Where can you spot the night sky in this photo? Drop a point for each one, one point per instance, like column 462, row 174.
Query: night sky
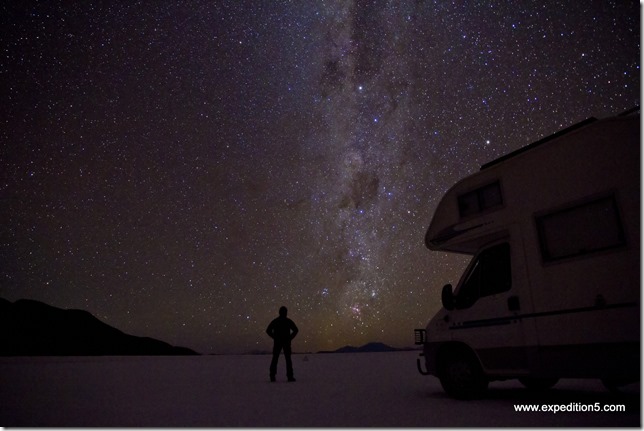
column 182, row 169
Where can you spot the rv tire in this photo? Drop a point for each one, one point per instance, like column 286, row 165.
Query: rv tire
column 614, row 385
column 538, row 384
column 461, row 376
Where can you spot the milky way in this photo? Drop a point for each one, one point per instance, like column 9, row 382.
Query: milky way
column 180, row 170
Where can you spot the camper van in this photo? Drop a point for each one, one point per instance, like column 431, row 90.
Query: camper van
column 553, row 287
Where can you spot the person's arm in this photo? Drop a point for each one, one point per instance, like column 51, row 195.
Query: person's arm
column 270, row 330
column 294, row 330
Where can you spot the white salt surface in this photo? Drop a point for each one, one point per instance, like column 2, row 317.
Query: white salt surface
column 347, row 390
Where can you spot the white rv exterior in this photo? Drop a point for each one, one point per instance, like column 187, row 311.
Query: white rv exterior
column 553, row 288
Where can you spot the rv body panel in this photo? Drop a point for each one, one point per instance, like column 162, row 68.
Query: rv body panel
column 568, row 213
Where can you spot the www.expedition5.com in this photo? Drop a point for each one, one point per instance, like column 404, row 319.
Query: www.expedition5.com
column 570, row 407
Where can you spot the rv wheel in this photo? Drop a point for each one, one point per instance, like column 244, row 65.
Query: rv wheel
column 536, row 384
column 614, row 385
column 461, row 376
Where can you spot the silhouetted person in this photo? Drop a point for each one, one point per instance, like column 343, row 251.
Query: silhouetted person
column 282, row 330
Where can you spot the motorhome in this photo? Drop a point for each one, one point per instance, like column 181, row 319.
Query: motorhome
column 553, row 287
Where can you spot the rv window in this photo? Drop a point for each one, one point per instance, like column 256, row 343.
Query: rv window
column 480, row 199
column 583, row 229
column 489, row 274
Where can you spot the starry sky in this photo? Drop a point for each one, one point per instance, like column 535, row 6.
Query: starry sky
column 180, row 169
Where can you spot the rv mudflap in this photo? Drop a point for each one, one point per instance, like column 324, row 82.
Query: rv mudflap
column 420, row 366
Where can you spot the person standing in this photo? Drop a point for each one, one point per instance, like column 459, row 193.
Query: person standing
column 282, row 330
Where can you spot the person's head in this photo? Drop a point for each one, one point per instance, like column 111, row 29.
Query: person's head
column 283, row 311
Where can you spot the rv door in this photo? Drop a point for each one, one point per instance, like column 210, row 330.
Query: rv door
column 489, row 301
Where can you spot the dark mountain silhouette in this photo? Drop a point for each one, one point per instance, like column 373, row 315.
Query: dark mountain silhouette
column 32, row 328
column 367, row 348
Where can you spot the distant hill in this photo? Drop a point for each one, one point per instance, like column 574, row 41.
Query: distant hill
column 367, row 348
column 32, row 328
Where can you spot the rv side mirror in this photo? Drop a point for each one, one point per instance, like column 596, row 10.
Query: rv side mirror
column 447, row 297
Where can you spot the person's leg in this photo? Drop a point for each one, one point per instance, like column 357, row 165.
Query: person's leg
column 289, row 363
column 276, row 354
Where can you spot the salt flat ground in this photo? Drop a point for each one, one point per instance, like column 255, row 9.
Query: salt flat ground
column 346, row 390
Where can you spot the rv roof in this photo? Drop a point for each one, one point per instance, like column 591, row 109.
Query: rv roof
column 553, row 136
column 539, row 142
